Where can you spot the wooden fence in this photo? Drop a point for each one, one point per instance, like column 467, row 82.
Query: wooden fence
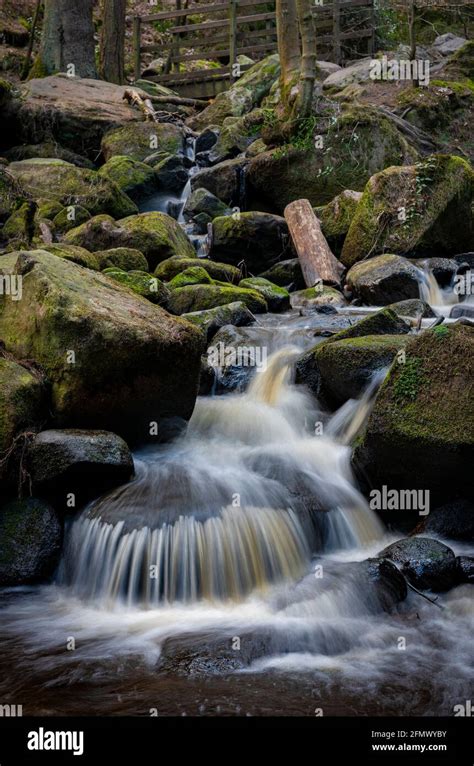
column 244, row 27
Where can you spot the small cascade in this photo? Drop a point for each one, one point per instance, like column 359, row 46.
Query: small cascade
column 430, row 291
column 237, row 504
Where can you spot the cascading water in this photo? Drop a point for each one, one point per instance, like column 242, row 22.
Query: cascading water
column 438, row 298
column 238, row 503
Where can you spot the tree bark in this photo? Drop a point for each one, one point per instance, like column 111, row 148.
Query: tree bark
column 67, row 42
column 112, row 41
column 304, row 101
column 288, row 41
column 318, row 263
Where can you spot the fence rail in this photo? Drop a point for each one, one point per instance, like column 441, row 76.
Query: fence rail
column 242, row 32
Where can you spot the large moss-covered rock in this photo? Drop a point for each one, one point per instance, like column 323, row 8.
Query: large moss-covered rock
column 361, row 142
column 143, row 284
column 73, row 253
column 123, row 258
column 113, row 360
column 157, row 236
column 346, row 367
column 201, row 297
column 322, row 295
column 226, row 180
column 421, row 429
column 135, row 178
column 383, row 280
column 210, row 321
column 286, row 274
column 31, row 541
column 336, row 217
column 258, row 239
column 139, row 141
column 69, row 218
column 172, row 172
column 194, row 275
column 203, row 201
column 224, row 272
column 98, row 233
column 50, row 149
column 19, row 229
column 422, row 209
column 71, row 185
column 22, row 401
column 413, row 309
column 277, row 298
column 87, row 463
column 246, row 93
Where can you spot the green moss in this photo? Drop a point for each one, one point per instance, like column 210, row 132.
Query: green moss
column 146, row 285
column 74, row 254
column 134, row 178
column 63, row 221
column 441, row 331
column 191, row 298
column 157, row 236
column 195, row 275
column 408, row 382
column 224, row 272
column 125, row 258
column 277, row 298
column 140, row 140
column 38, row 69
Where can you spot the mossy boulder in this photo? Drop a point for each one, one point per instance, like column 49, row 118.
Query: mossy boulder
column 210, row 321
column 22, row 401
column 422, row 209
column 421, row 429
column 226, row 180
column 258, row 239
column 19, row 228
column 224, row 272
column 50, row 150
column 413, row 309
column 383, row 280
column 236, row 135
column 31, row 536
column 138, row 141
column 322, row 295
column 361, row 142
column 157, row 236
column 203, row 201
column 135, row 178
column 346, row 367
column 48, row 208
column 75, row 254
column 336, row 217
column 12, row 195
column 245, row 94
column 436, row 106
column 460, row 66
column 184, row 300
column 172, row 172
column 286, row 274
column 114, row 360
column 70, row 217
column 277, row 298
column 98, row 233
column 123, row 258
column 143, row 284
column 71, row 185
column 194, row 275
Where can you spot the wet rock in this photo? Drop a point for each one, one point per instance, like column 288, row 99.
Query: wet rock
column 421, row 428
column 346, row 367
column 172, row 173
column 71, row 185
column 383, row 280
column 412, row 308
column 443, row 269
column 286, row 274
column 184, row 300
column 207, row 139
column 346, row 163
column 258, row 239
column 49, row 149
column 139, row 141
column 208, row 376
column 462, row 310
column 202, row 201
column 86, row 463
column 123, row 258
column 465, row 569
column 277, row 298
column 31, row 539
column 389, row 585
column 194, row 275
column 245, row 94
column 454, row 520
column 157, row 236
column 336, row 217
column 212, row 320
column 225, row 180
column 114, row 361
column 169, row 268
column 427, row 564
column 436, row 196
column 135, row 178
column 314, row 297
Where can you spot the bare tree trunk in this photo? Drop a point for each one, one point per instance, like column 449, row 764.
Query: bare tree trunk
column 308, row 59
column 112, row 41
column 67, row 43
column 288, row 41
column 412, row 34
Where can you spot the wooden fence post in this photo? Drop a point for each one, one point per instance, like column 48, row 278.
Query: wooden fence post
column 232, row 37
column 336, row 31
column 137, row 46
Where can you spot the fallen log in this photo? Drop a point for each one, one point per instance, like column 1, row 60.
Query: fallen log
column 145, row 105
column 196, row 103
column 318, row 263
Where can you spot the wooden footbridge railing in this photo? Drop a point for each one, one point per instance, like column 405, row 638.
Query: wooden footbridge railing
column 243, row 27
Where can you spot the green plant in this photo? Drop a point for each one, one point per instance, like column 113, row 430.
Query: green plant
column 409, row 380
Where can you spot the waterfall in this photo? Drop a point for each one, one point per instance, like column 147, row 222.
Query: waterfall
column 431, row 292
column 237, row 504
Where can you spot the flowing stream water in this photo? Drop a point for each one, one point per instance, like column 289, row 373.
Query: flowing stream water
column 227, row 577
